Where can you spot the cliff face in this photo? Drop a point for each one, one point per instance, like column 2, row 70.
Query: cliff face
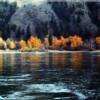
column 59, row 18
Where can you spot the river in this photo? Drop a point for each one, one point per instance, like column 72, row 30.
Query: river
column 50, row 76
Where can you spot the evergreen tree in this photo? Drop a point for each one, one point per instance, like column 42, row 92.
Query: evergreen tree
column 6, row 11
column 27, row 34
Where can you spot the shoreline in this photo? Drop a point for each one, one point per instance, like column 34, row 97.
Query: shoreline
column 47, row 51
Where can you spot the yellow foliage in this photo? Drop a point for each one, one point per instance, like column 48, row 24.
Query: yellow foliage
column 12, row 45
column 54, row 40
column 5, row 44
column 1, row 40
column 23, row 44
column 58, row 43
column 34, row 42
column 2, row 43
column 46, row 41
column 29, row 44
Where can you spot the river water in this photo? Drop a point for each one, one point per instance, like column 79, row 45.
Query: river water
column 50, row 76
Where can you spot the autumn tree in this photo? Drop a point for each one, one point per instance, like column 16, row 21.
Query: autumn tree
column 23, row 45
column 98, row 42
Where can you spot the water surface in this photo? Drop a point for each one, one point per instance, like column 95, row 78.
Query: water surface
column 50, row 76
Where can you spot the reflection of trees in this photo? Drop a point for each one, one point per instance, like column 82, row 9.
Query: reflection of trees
column 24, row 62
column 98, row 60
column 45, row 67
column 95, row 73
column 1, row 63
column 7, row 63
column 34, row 61
column 12, row 60
column 76, row 60
column 60, row 60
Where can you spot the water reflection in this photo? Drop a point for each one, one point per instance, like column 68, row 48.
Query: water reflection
column 74, row 74
column 46, row 60
column 1, row 63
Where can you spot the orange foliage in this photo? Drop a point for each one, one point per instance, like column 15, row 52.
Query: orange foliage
column 64, row 41
column 98, row 40
column 56, row 42
column 34, row 42
column 76, row 41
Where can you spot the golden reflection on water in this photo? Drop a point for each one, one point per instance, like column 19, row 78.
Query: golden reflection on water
column 12, row 59
column 76, row 60
column 1, row 63
column 60, row 60
column 35, row 61
column 73, row 60
column 7, row 61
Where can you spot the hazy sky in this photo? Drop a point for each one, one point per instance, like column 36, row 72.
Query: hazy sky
column 38, row 2
column 22, row 2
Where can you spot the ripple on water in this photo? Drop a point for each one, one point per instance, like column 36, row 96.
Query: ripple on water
column 46, row 92
column 7, row 79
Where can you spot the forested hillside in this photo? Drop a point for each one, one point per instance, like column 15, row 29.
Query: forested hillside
column 51, row 19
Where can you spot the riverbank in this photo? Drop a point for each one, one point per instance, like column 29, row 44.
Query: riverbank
column 48, row 51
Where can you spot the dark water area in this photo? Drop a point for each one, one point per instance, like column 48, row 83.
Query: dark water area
column 50, row 76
